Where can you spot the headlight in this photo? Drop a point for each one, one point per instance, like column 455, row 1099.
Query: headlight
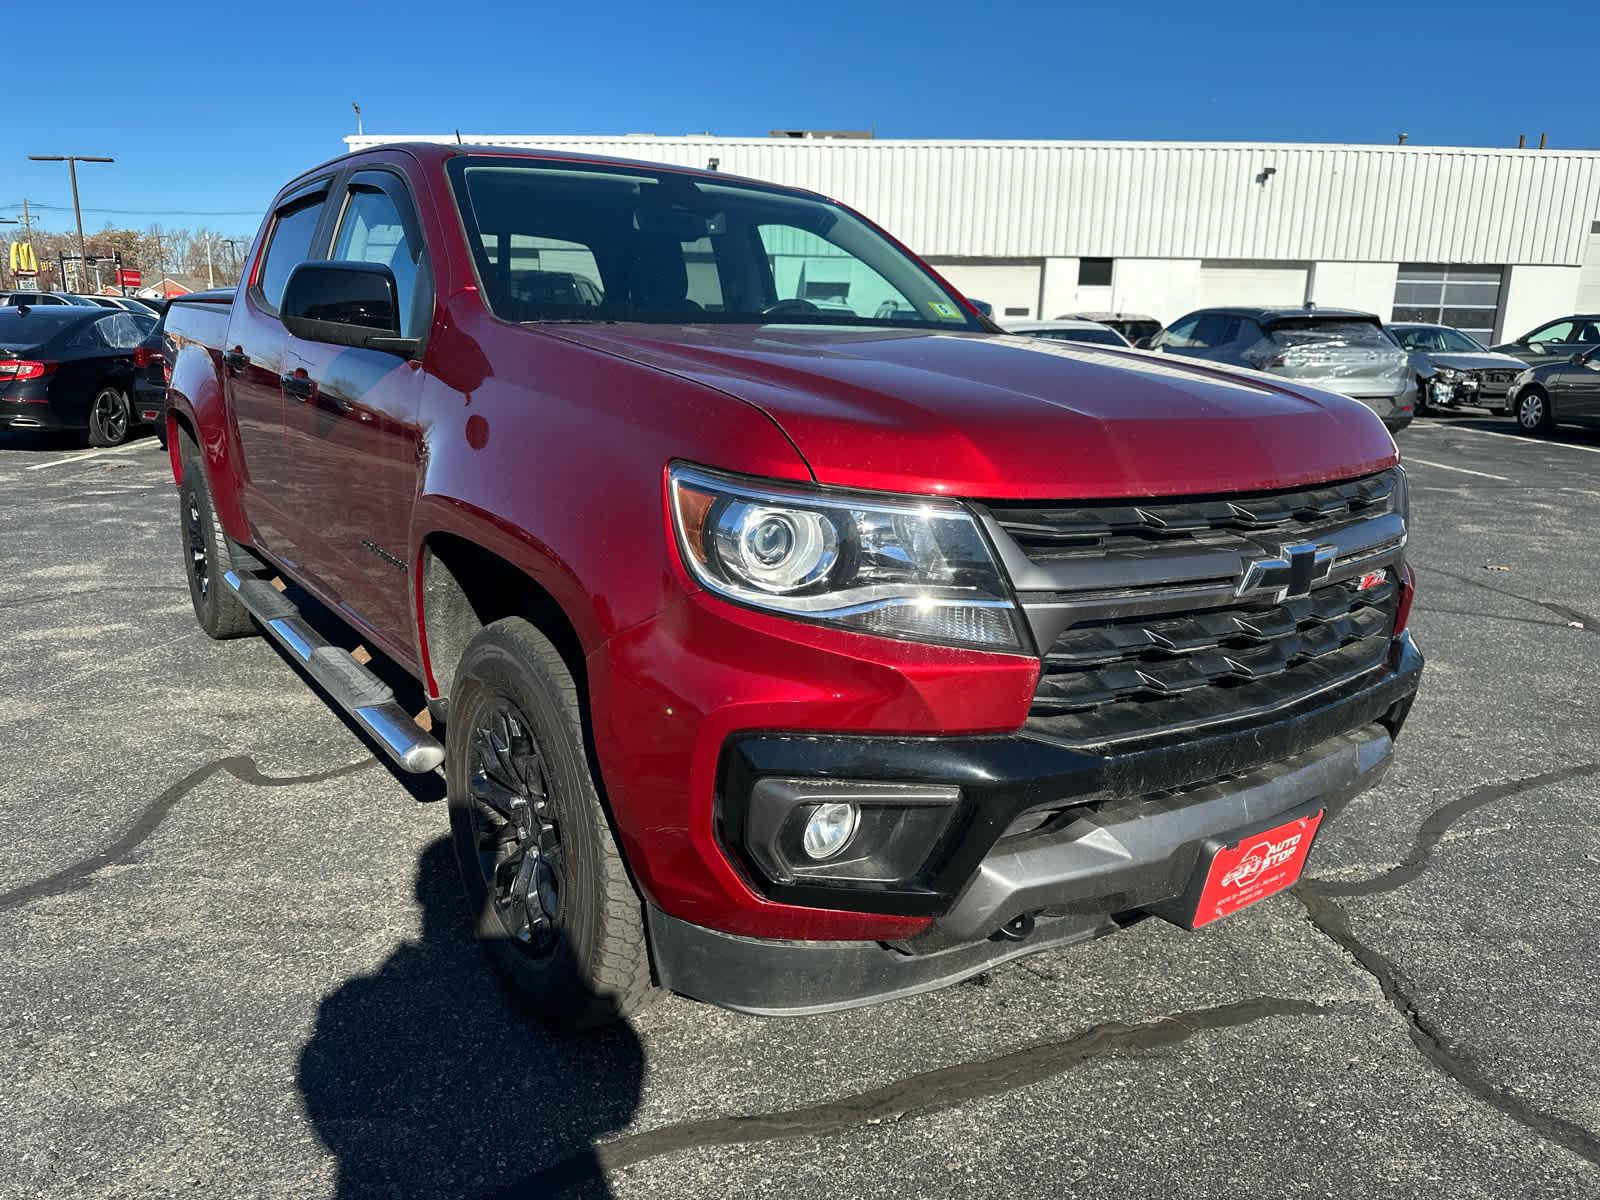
column 897, row 567
column 1448, row 374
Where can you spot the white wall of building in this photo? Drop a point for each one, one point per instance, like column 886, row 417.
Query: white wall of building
column 1214, row 200
column 1532, row 295
column 1366, row 286
column 1004, row 285
column 1188, row 224
column 1589, row 280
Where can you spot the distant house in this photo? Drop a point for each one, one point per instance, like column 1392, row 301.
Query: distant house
column 166, row 287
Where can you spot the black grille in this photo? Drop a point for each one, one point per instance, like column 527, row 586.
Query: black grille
column 1138, row 612
column 1048, row 533
column 1107, row 680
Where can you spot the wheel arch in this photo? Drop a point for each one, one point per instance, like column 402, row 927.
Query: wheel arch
column 462, row 586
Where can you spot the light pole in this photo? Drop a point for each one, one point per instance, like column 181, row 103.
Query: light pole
column 233, row 245
column 72, row 161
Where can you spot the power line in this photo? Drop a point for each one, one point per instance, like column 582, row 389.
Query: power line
column 150, row 212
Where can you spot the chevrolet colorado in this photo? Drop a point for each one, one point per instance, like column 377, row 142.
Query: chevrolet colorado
column 786, row 656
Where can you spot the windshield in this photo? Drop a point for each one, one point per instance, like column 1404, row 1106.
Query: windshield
column 1435, row 338
column 563, row 242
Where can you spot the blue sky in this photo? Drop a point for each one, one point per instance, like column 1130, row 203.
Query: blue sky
column 245, row 111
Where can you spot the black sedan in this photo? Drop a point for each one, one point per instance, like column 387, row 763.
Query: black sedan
column 65, row 367
column 1454, row 370
column 1565, row 392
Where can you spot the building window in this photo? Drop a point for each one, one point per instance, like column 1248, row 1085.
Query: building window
column 1094, row 272
column 1466, row 298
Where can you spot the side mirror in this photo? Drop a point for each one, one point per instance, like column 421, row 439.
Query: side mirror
column 345, row 304
column 1143, row 343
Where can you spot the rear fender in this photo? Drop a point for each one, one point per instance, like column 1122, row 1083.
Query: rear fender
column 196, row 398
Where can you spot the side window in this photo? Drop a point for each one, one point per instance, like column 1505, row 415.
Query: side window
column 1214, row 329
column 373, row 230
column 1180, row 334
column 1559, row 331
column 288, row 246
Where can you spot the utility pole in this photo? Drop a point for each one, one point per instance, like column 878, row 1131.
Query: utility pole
column 9, row 221
column 161, row 258
column 72, row 161
column 211, row 274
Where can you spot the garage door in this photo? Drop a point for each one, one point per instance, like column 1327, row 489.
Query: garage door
column 1008, row 286
column 1251, row 283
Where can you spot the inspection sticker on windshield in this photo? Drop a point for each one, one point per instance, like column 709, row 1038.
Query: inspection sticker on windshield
column 1255, row 867
column 948, row 311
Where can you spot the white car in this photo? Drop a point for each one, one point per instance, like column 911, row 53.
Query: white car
column 1091, row 332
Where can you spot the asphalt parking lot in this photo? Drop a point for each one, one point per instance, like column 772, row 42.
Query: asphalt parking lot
column 234, row 958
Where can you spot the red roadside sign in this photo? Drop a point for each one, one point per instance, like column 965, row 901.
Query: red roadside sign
column 129, row 278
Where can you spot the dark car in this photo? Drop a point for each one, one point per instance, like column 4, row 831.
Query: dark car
column 70, row 367
column 1338, row 349
column 43, row 300
column 1136, row 327
column 1562, row 392
column 1456, row 371
column 1558, row 339
column 151, row 375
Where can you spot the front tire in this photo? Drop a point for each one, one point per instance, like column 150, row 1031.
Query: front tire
column 205, row 554
column 110, row 417
column 1535, row 415
column 553, row 903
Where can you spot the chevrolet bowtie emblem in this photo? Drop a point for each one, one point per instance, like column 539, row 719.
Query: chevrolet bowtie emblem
column 1294, row 572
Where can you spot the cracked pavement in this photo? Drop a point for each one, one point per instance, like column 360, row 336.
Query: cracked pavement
column 234, row 955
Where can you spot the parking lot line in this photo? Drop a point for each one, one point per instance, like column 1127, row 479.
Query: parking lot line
column 61, row 462
column 1422, row 462
column 1524, row 440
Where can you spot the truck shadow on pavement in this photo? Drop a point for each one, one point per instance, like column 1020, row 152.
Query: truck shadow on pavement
column 425, row 1078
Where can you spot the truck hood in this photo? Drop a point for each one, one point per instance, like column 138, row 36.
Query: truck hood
column 983, row 416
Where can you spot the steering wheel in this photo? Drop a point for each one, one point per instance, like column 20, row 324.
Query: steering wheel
column 795, row 305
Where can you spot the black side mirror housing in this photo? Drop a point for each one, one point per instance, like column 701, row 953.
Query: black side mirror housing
column 345, row 304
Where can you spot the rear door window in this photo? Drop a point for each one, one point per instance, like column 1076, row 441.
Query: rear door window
column 288, row 247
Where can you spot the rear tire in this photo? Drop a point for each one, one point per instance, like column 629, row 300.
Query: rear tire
column 110, row 417
column 554, row 907
column 1534, row 412
column 205, row 554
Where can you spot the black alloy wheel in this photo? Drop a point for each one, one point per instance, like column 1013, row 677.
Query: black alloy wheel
column 553, row 904
column 194, row 534
column 110, row 418
column 520, row 857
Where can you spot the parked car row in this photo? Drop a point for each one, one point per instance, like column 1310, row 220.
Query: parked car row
column 74, row 367
column 136, row 304
column 1548, row 376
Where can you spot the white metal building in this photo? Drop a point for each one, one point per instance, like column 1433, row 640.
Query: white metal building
column 1493, row 241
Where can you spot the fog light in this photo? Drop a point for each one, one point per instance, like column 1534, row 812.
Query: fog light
column 830, row 829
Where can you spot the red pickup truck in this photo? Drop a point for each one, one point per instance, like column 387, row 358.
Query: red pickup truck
column 791, row 638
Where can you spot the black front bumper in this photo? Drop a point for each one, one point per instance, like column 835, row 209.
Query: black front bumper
column 1126, row 832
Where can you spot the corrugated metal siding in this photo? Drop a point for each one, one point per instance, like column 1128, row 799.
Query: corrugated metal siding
column 1168, row 200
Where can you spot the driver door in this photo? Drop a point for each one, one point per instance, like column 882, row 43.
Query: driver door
column 351, row 424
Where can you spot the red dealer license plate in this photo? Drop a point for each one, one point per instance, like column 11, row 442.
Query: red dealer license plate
column 1254, row 868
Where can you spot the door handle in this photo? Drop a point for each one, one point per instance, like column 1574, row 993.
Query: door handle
column 235, row 360
column 299, row 385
